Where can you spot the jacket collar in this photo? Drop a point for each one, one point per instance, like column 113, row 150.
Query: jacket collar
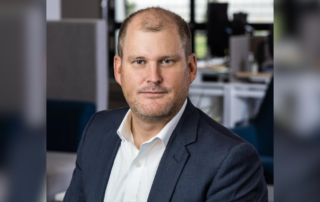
column 171, row 164
column 175, row 156
column 187, row 127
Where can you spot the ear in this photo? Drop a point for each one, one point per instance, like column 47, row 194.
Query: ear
column 117, row 68
column 192, row 65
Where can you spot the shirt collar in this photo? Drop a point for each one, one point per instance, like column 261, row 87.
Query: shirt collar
column 124, row 130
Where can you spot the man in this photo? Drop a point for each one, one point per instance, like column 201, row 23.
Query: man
column 162, row 148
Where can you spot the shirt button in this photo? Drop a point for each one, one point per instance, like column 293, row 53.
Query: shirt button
column 138, row 165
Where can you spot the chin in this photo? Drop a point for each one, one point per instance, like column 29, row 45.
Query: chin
column 155, row 109
column 152, row 112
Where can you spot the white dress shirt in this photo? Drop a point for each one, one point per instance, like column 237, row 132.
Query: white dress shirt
column 133, row 170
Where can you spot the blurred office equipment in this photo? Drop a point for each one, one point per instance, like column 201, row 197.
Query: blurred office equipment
column 239, row 87
column 218, row 29
column 77, row 87
column 264, row 54
column 239, row 23
column 239, row 52
column 239, row 102
column 249, row 56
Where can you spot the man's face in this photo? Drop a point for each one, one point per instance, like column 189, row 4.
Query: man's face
column 153, row 73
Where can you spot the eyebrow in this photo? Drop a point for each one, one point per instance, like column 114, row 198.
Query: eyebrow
column 174, row 56
column 133, row 57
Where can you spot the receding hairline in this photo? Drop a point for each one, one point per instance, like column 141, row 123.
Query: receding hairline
column 154, row 19
column 150, row 23
column 153, row 23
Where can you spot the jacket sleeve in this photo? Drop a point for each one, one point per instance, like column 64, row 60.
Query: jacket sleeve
column 240, row 177
column 75, row 191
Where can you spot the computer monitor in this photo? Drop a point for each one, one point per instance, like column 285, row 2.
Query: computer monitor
column 218, row 29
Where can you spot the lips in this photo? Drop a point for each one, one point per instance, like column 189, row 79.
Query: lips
column 152, row 92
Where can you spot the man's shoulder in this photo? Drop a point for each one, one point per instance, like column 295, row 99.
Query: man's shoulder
column 207, row 134
column 216, row 135
column 111, row 118
column 113, row 115
column 104, row 124
column 224, row 153
column 208, row 125
column 118, row 113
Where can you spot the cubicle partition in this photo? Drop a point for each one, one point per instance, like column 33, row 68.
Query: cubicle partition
column 77, row 87
column 76, row 61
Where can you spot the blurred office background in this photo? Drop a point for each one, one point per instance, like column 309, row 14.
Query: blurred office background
column 233, row 42
column 296, row 100
column 23, row 85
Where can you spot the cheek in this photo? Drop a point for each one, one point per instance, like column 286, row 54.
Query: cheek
column 131, row 81
column 176, row 80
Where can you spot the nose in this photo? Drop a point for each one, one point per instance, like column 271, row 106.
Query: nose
column 154, row 73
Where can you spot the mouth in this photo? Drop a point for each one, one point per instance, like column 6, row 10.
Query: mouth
column 153, row 94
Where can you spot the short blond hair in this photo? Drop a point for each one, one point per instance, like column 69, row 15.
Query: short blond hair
column 163, row 20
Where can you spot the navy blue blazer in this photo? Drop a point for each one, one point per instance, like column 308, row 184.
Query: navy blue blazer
column 203, row 161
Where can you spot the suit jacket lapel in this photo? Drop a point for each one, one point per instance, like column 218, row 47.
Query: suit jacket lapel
column 107, row 159
column 103, row 161
column 104, row 158
column 175, row 156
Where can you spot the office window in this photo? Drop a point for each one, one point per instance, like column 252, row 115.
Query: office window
column 201, row 11
column 200, row 44
column 259, row 11
column 116, row 34
column 120, row 10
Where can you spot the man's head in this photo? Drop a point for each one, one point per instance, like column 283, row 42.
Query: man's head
column 155, row 65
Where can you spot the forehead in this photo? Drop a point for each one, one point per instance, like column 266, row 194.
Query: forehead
column 139, row 40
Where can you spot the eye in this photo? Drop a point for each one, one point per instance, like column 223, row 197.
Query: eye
column 139, row 62
column 166, row 61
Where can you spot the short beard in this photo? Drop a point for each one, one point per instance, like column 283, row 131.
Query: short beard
column 164, row 115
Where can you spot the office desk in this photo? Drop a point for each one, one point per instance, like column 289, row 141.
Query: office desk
column 254, row 77
column 240, row 101
column 220, row 71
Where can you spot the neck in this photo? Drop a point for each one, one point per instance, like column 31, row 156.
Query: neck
column 143, row 131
